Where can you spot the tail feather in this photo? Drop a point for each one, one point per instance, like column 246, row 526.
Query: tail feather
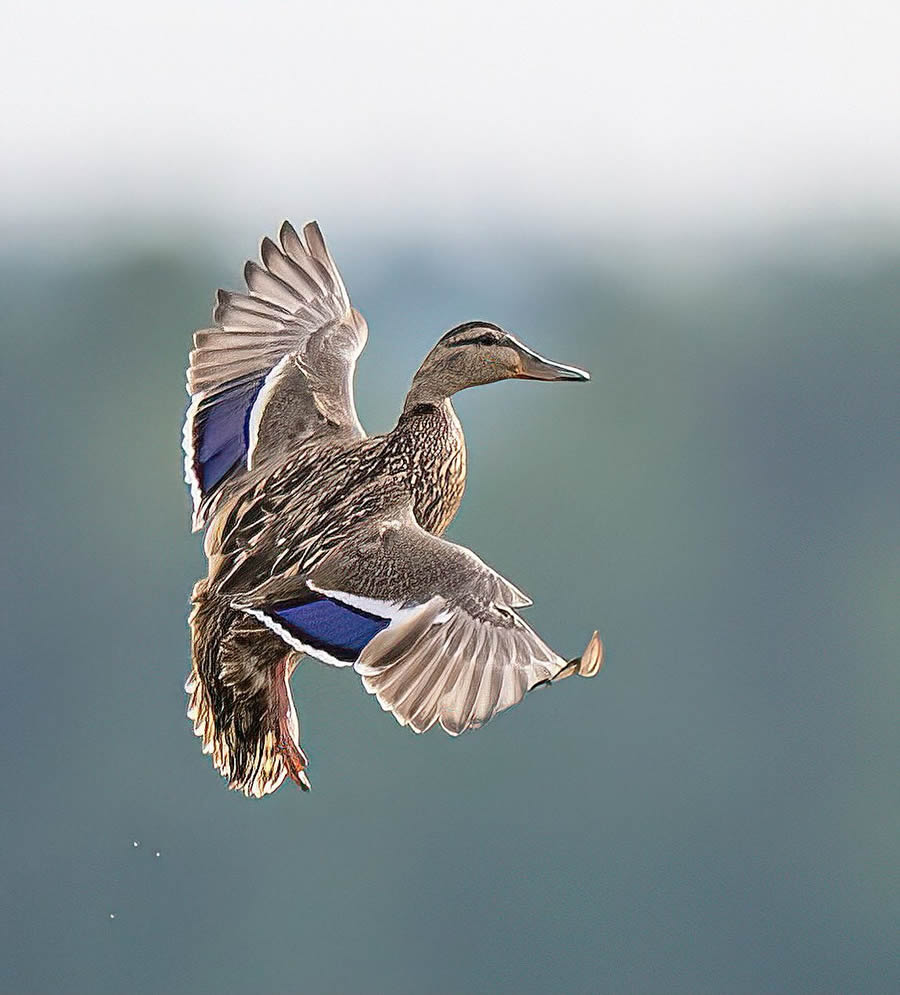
column 239, row 699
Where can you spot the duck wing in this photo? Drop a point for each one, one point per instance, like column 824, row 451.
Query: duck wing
column 277, row 368
column 432, row 630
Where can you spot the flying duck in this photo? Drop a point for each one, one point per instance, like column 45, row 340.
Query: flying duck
column 325, row 542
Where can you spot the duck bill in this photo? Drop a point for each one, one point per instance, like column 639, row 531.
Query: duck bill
column 535, row 367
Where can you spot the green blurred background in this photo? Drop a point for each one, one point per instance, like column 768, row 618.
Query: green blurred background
column 718, row 811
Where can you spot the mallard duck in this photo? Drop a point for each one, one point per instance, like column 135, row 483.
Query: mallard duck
column 325, row 542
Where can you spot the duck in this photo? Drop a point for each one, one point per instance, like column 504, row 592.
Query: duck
column 325, row 542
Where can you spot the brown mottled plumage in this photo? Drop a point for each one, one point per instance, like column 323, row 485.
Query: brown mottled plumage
column 326, row 542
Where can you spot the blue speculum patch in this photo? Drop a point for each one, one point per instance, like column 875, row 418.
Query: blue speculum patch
column 222, row 433
column 321, row 623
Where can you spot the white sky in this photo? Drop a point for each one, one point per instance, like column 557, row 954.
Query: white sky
column 641, row 114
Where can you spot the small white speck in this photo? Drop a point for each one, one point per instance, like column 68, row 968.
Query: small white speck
column 112, row 915
column 157, row 853
column 136, row 843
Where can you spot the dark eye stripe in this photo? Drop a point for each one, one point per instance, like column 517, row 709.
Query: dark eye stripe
column 488, row 334
column 486, row 338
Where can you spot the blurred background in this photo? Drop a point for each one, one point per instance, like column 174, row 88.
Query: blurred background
column 698, row 202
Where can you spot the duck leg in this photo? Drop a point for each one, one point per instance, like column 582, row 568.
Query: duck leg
column 292, row 755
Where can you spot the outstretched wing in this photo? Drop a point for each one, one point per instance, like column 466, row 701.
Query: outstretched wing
column 276, row 370
column 431, row 629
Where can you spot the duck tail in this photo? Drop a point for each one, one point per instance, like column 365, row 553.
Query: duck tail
column 240, row 698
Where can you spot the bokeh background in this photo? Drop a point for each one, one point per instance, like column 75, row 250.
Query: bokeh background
column 698, row 202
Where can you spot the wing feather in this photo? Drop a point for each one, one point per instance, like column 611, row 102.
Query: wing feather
column 455, row 652
column 296, row 306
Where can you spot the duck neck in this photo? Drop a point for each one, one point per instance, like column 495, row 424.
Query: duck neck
column 423, row 393
column 434, row 416
column 431, row 440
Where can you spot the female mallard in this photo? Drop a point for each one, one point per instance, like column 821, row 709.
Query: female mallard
column 325, row 542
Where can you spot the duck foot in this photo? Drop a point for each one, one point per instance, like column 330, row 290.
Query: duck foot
column 591, row 659
column 586, row 665
column 295, row 762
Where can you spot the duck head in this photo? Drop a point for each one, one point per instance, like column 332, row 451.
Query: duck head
column 479, row 352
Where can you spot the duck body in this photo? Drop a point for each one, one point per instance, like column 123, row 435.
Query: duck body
column 291, row 513
column 325, row 542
